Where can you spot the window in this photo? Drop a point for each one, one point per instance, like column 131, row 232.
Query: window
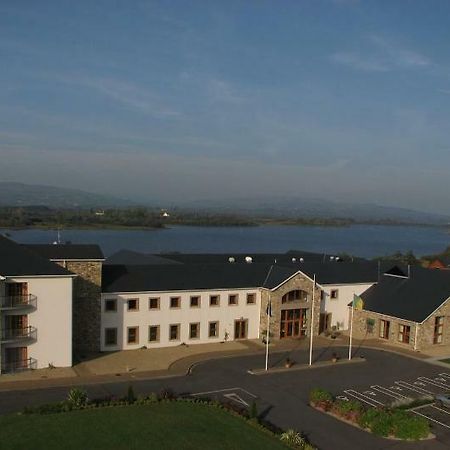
column 110, row 305
column 251, row 299
column 110, row 336
column 334, row 294
column 404, row 332
column 384, row 328
column 133, row 335
column 153, row 333
column 213, row 329
column 194, row 330
column 438, row 330
column 153, row 303
column 174, row 332
column 233, row 299
column 195, row 301
column 133, row 304
column 214, row 300
column 175, row 302
column 294, row 295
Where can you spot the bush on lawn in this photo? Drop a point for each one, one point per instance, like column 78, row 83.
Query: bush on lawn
column 321, row 399
column 293, row 439
column 77, row 398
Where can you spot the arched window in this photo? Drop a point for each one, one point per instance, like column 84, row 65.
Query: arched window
column 293, row 296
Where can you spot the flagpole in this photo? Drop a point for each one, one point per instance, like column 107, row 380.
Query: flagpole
column 269, row 307
column 312, row 323
column 351, row 333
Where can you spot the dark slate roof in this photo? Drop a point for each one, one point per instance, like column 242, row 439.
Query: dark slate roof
column 18, row 260
column 343, row 272
column 413, row 298
column 59, row 252
column 135, row 278
column 132, row 258
column 182, row 277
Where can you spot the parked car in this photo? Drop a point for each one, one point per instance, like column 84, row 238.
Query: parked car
column 443, row 400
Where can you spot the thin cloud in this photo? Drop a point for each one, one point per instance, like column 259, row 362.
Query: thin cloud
column 383, row 55
column 125, row 93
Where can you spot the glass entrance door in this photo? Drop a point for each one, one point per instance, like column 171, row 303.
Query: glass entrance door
column 293, row 323
column 240, row 329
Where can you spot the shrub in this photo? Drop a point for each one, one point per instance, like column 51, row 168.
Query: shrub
column 293, row 439
column 130, row 398
column 350, row 410
column 253, row 411
column 152, row 398
column 406, row 426
column 320, row 395
column 77, row 398
column 166, row 394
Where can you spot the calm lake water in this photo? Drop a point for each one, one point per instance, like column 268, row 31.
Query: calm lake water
column 359, row 240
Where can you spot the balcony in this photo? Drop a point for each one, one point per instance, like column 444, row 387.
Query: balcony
column 17, row 302
column 15, row 335
column 18, row 366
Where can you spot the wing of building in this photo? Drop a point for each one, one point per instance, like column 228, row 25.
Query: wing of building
column 35, row 310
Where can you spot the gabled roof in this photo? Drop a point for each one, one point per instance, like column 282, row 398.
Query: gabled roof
column 61, row 252
column 18, row 260
column 412, row 299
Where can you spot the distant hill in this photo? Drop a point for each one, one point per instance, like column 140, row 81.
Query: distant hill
column 19, row 194
column 291, row 207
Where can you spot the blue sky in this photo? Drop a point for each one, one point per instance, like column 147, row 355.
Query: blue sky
column 182, row 100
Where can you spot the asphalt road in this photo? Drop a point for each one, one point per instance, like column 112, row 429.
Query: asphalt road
column 282, row 398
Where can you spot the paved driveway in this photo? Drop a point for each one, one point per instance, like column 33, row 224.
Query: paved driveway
column 281, row 397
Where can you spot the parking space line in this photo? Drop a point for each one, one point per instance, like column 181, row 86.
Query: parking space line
column 386, row 391
column 435, row 383
column 442, row 380
column 366, row 399
column 413, row 388
column 429, row 418
column 224, row 390
column 446, row 375
column 440, row 409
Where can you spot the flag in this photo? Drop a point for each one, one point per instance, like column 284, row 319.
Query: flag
column 358, row 302
column 269, row 309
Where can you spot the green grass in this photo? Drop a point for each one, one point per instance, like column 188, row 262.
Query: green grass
column 447, row 361
column 171, row 425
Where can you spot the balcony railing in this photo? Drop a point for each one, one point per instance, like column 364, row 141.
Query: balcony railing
column 18, row 334
column 18, row 301
column 19, row 366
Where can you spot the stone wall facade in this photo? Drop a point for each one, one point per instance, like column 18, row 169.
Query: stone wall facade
column 300, row 282
column 86, row 317
column 366, row 325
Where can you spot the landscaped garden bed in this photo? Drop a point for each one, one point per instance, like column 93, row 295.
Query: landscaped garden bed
column 392, row 423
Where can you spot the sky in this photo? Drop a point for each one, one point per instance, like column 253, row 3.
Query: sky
column 173, row 101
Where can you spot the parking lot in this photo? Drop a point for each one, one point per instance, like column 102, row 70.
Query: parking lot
column 378, row 395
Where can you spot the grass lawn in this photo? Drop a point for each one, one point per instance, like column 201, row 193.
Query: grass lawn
column 447, row 361
column 172, row 425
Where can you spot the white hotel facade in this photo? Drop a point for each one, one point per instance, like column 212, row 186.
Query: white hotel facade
column 56, row 301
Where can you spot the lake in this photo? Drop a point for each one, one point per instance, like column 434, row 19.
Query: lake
column 359, row 240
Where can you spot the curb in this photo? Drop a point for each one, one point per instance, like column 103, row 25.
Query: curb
column 317, row 365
